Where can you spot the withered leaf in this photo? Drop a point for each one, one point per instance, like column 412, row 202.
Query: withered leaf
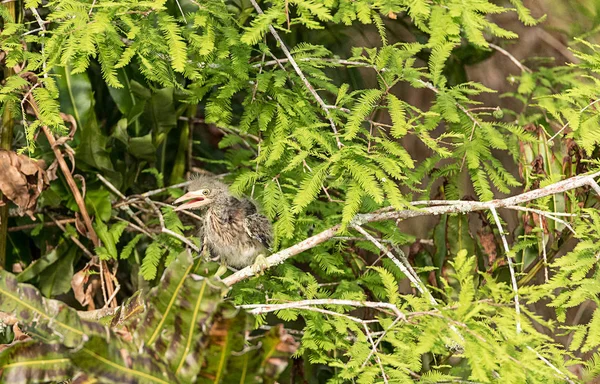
column 22, row 179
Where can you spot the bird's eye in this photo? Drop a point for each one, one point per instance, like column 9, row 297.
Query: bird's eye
column 205, row 192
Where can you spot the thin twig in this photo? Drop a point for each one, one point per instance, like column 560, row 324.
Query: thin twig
column 550, row 215
column 112, row 297
column 415, row 281
column 511, row 57
column 301, row 75
column 544, row 255
column 126, row 208
column 548, row 363
column 266, row 308
column 567, row 123
column 31, row 226
column 103, row 283
column 42, row 25
column 137, row 228
column 511, row 268
column 74, row 239
column 167, row 230
column 556, row 44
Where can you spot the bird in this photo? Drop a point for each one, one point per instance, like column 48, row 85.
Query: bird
column 233, row 228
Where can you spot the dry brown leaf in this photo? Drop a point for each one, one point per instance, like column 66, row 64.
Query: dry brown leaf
column 488, row 243
column 52, row 170
column 80, row 225
column 22, row 179
column 19, row 335
column 85, row 286
column 78, row 282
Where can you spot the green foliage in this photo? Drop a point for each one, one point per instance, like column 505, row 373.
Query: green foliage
column 317, row 132
column 64, row 344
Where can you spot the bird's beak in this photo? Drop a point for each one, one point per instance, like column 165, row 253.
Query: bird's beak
column 195, row 199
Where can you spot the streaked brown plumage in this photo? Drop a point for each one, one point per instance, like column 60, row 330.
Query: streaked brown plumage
column 233, row 228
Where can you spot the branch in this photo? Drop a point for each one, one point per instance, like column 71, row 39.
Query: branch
column 511, row 268
column 167, row 230
column 511, row 57
column 408, row 273
column 457, row 206
column 68, row 176
column 265, row 308
column 301, row 75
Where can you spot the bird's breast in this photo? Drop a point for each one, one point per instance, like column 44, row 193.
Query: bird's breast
column 227, row 238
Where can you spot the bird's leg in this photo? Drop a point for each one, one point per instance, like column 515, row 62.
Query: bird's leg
column 260, row 265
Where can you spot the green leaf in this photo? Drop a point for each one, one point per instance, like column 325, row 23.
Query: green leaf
column 593, row 338
column 75, row 95
column 364, row 106
column 188, row 302
column 396, row 109
column 35, row 362
column 112, row 364
column 310, row 187
column 49, row 319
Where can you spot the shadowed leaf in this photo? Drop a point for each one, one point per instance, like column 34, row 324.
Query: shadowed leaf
column 180, row 309
column 112, row 364
column 34, row 362
column 49, row 319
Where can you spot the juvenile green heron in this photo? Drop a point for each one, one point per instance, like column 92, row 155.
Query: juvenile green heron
column 233, row 229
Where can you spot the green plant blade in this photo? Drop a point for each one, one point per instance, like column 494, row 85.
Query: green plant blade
column 112, row 364
column 48, row 319
column 34, row 362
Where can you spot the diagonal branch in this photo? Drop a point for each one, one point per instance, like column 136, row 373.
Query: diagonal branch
column 513, row 277
column 68, row 176
column 76, row 195
column 457, row 206
column 310, row 88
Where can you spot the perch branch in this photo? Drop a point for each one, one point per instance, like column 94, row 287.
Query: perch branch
column 455, row 207
column 265, row 308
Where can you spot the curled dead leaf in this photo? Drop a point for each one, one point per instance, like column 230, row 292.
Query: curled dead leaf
column 285, row 346
column 85, row 286
column 80, row 225
column 488, row 243
column 22, row 180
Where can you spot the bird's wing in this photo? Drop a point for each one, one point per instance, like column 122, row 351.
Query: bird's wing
column 259, row 227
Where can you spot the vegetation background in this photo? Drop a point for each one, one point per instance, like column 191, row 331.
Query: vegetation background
column 429, row 167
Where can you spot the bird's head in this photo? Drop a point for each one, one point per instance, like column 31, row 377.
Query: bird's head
column 202, row 191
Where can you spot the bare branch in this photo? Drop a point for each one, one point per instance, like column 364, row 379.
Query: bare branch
column 511, row 57
column 266, row 308
column 455, row 207
column 74, row 239
column 301, row 75
column 511, row 268
column 408, row 273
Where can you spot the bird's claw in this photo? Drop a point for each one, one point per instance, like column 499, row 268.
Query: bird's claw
column 260, row 265
column 221, row 271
